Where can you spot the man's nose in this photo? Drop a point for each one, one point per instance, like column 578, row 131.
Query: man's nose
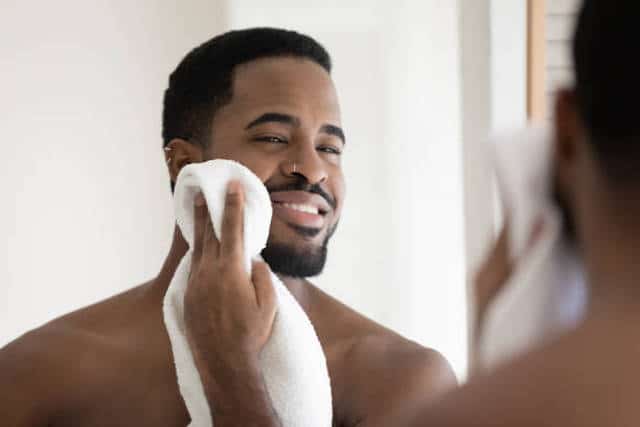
column 307, row 163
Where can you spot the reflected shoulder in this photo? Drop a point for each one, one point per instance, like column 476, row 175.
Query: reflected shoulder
column 38, row 371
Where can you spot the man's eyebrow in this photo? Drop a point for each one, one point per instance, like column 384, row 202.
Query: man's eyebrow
column 335, row 131
column 274, row 117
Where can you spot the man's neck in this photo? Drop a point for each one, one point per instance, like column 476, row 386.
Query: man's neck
column 179, row 247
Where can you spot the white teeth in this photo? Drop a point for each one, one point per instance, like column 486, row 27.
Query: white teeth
column 302, row 208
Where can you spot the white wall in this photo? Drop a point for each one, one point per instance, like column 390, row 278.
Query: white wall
column 399, row 253
column 508, row 63
column 87, row 209
column 475, row 54
column 427, row 171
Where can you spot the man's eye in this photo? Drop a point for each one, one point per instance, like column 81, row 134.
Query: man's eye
column 330, row 150
column 272, row 139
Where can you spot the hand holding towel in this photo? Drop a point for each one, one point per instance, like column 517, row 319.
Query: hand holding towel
column 546, row 293
column 292, row 362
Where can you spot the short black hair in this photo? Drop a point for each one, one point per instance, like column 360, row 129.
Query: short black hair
column 202, row 82
column 607, row 87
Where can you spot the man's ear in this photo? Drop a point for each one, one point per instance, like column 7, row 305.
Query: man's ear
column 568, row 137
column 179, row 153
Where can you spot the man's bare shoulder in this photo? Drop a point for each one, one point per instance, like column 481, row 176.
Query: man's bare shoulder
column 84, row 334
column 586, row 377
column 42, row 370
column 75, row 337
column 369, row 342
column 109, row 315
column 389, row 372
column 377, row 368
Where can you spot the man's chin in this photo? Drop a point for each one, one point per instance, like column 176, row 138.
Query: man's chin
column 295, row 262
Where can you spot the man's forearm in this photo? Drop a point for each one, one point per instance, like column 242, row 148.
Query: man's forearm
column 477, row 329
column 237, row 395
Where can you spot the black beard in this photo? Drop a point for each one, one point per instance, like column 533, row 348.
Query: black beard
column 289, row 261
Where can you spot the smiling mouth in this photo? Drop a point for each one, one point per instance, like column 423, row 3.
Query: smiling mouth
column 300, row 216
column 305, row 208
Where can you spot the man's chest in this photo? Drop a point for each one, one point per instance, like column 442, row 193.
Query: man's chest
column 126, row 404
column 142, row 391
column 132, row 387
column 139, row 402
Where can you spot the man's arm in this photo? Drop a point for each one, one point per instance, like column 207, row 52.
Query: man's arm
column 238, row 395
column 491, row 278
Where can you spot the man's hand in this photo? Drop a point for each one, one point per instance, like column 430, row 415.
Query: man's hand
column 498, row 267
column 229, row 316
column 493, row 276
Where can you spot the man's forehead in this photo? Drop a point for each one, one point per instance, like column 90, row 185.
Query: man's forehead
column 290, row 83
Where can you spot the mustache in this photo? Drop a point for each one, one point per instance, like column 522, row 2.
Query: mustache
column 301, row 184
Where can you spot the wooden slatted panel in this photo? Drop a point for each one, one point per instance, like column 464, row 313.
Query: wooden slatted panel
column 559, row 26
column 562, row 7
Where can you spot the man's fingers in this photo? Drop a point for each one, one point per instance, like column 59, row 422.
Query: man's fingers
column 495, row 271
column 232, row 244
column 502, row 243
column 265, row 292
column 210, row 244
column 500, row 261
column 205, row 242
column 199, row 221
column 500, row 264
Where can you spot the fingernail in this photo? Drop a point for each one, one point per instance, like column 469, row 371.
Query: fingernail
column 199, row 200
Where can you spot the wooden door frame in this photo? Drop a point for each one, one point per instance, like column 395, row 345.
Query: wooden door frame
column 536, row 60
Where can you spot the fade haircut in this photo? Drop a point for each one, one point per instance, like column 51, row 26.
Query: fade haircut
column 202, row 82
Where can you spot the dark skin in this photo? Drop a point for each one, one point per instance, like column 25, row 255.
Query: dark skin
column 111, row 363
column 587, row 377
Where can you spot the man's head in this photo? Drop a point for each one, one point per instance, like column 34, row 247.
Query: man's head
column 597, row 156
column 265, row 98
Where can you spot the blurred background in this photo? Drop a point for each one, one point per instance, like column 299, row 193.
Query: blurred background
column 87, row 209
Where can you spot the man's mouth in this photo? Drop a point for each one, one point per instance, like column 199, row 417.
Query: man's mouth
column 300, row 208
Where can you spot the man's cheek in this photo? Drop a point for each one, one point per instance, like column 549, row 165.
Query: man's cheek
column 262, row 167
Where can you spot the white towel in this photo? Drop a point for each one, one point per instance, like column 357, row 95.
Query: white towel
column 546, row 294
column 293, row 363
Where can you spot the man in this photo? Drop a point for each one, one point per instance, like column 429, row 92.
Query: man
column 264, row 98
column 589, row 376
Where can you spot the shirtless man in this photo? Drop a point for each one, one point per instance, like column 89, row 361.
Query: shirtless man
column 588, row 377
column 264, row 98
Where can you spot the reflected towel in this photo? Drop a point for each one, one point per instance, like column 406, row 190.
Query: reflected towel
column 546, row 293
